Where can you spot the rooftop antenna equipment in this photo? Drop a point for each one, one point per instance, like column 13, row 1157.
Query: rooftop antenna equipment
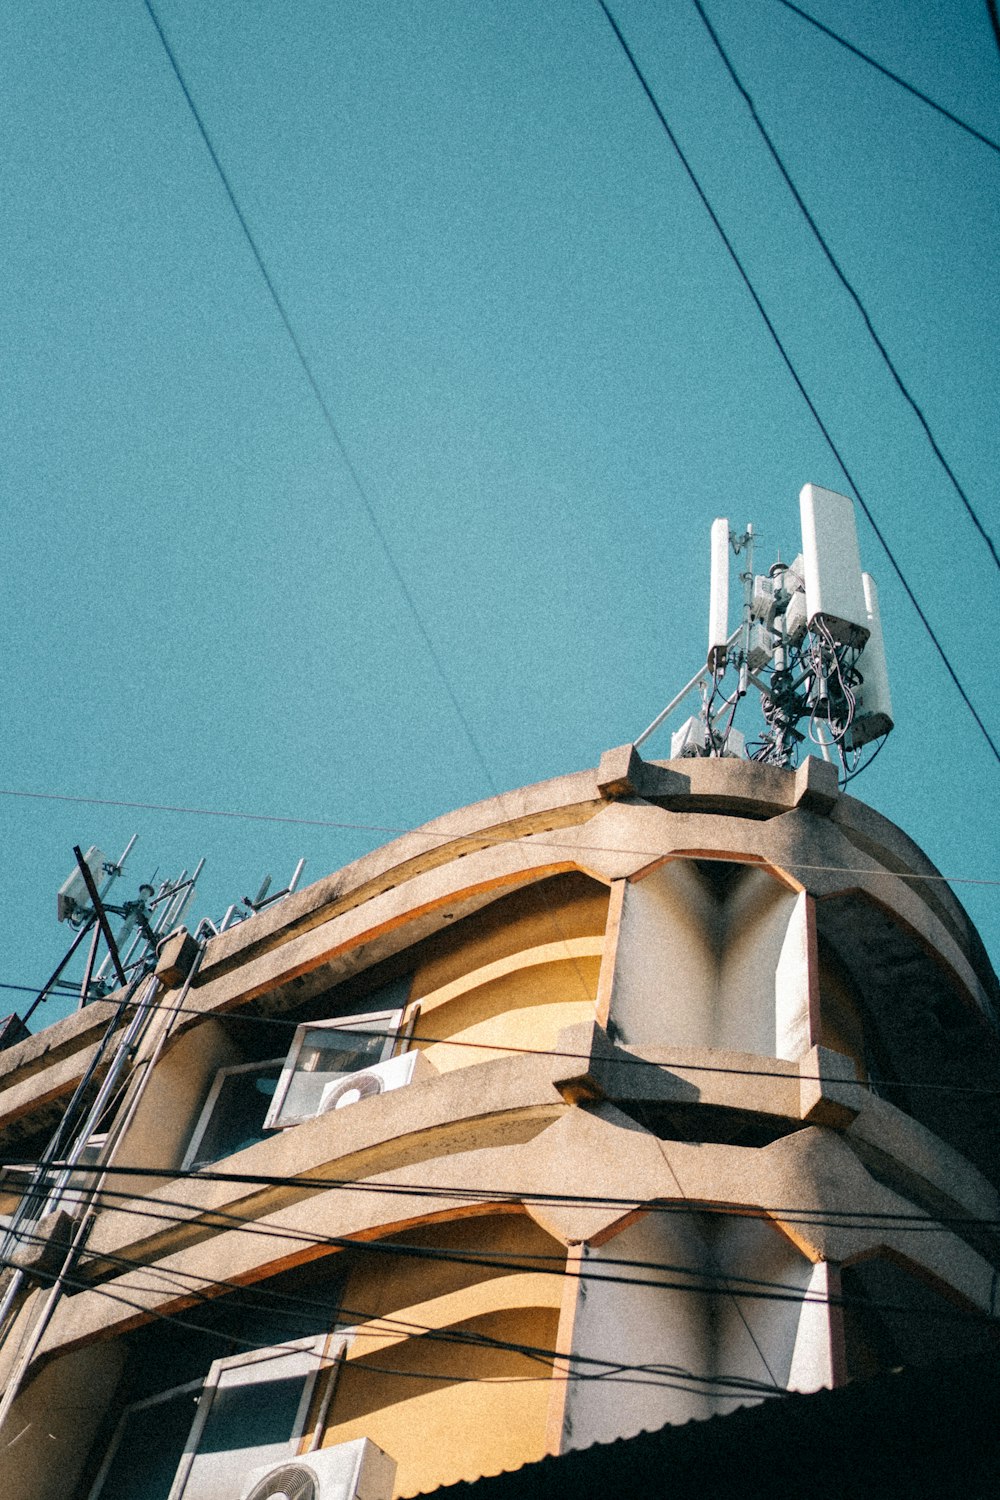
column 810, row 642
column 718, row 607
column 835, row 600
column 83, row 904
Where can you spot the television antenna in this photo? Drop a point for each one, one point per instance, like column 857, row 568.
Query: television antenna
column 809, row 642
column 83, row 904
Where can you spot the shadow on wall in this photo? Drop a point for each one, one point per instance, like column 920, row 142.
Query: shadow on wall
column 713, row 953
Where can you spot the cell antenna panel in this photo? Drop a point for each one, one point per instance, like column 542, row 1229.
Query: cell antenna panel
column 834, row 592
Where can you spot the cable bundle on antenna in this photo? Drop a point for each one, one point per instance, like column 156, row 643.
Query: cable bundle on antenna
column 809, row 641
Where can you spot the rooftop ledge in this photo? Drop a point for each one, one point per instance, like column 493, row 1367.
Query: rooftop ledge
column 726, row 788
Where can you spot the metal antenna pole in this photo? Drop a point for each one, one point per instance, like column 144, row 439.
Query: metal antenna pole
column 91, row 958
column 679, row 697
column 88, row 881
column 43, row 994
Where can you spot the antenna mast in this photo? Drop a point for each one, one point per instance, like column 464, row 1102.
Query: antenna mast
column 809, row 641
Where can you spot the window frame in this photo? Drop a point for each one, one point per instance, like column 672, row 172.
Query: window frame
column 191, row 1387
column 388, row 1020
column 190, row 1162
column 325, row 1351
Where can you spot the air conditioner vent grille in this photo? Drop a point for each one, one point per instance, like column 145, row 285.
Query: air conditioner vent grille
column 290, row 1482
column 355, row 1086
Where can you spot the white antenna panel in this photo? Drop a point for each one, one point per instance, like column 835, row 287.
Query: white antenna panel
column 718, row 610
column 73, row 900
column 874, row 716
column 834, row 592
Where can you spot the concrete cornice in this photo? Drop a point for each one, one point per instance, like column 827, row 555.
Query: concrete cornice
column 799, row 1183
column 614, row 840
column 796, row 820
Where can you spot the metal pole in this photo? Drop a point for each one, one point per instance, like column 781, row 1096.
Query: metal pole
column 37, row 1183
column 91, row 956
column 88, row 881
column 126, row 1049
column 44, row 993
column 679, row 697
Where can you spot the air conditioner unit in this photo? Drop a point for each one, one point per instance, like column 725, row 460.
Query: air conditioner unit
column 378, row 1079
column 350, row 1471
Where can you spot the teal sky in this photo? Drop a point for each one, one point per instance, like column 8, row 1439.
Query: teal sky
column 543, row 367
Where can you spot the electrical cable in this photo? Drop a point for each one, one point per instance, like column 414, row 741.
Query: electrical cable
column 850, row 777
column 846, row 283
column 609, row 1367
column 712, row 1262
column 894, row 77
column 699, row 1282
column 833, row 1218
column 509, row 1261
column 994, row 14
column 786, row 357
column 700, row 1279
column 361, row 490
column 621, row 1059
column 624, row 1060
column 443, row 839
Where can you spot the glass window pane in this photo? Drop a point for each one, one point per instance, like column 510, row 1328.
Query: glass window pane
column 149, row 1451
column 251, row 1419
column 252, row 1416
column 326, row 1055
column 237, row 1119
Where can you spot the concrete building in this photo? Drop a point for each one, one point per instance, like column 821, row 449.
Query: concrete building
column 674, row 1088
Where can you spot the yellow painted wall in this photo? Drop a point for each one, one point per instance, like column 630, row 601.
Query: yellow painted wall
column 525, row 1007
column 451, row 1409
column 568, row 906
column 513, row 975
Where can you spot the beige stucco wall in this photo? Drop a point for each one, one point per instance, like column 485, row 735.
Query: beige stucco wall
column 54, row 1421
column 695, row 968
column 450, row 1407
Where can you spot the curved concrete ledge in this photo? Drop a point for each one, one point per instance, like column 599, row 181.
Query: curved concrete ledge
column 543, row 807
column 735, row 790
column 507, row 1102
column 617, row 842
column 802, row 1183
column 55, row 1043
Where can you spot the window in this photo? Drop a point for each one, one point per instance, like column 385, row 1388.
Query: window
column 250, row 1100
column 199, row 1440
column 322, row 1055
column 234, row 1113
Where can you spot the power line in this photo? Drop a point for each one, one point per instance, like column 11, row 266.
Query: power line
column 616, row 1060
column 607, row 1369
column 127, row 1205
column 201, row 812
column 845, row 282
column 360, row 488
column 895, row 78
column 327, row 415
column 623, row 1060
column 443, row 839
column 918, row 1221
column 991, row 6
column 786, row 357
column 700, row 1281
column 509, row 1261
